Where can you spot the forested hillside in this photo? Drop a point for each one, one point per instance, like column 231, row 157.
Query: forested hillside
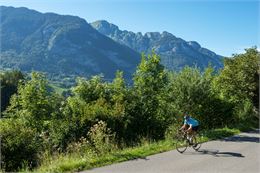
column 60, row 45
column 40, row 128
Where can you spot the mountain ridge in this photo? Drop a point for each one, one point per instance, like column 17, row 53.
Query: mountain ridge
column 175, row 52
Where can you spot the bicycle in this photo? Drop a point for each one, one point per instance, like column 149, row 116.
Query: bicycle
column 183, row 141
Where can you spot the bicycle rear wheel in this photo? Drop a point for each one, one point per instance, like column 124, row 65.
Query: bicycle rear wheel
column 195, row 144
column 181, row 144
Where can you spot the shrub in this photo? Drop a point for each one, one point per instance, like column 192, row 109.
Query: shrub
column 20, row 145
column 82, row 147
column 171, row 131
column 102, row 137
column 246, row 115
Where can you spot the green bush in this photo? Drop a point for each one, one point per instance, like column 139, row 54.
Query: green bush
column 81, row 147
column 102, row 138
column 20, row 145
column 171, row 131
column 246, row 115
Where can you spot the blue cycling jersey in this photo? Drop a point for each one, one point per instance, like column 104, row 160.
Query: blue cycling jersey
column 191, row 122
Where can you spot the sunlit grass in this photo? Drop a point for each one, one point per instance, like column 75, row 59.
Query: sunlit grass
column 78, row 161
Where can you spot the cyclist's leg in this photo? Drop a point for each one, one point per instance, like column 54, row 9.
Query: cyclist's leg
column 190, row 135
column 194, row 133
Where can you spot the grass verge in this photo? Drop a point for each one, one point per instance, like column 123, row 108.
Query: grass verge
column 78, row 161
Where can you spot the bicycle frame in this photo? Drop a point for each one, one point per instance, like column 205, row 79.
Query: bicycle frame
column 183, row 141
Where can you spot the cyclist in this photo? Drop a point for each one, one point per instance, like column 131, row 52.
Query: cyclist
column 190, row 125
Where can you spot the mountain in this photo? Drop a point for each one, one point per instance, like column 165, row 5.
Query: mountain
column 60, row 45
column 175, row 52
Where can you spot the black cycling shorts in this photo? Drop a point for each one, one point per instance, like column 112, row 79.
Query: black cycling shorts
column 195, row 128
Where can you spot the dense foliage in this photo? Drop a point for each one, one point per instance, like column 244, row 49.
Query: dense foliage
column 9, row 83
column 100, row 117
column 238, row 84
column 239, row 80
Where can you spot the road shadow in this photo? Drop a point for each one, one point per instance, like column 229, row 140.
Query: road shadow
column 215, row 153
column 242, row 138
column 256, row 131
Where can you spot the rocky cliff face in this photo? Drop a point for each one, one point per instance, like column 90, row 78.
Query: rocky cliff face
column 60, row 44
column 175, row 52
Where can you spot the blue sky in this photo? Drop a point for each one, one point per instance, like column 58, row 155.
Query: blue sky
column 223, row 26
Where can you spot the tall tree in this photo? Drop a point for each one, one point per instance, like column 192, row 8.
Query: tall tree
column 9, row 82
column 239, row 80
column 149, row 82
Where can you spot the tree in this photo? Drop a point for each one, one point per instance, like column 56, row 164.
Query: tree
column 91, row 90
column 33, row 111
column 9, row 82
column 189, row 87
column 190, row 90
column 33, row 103
column 239, row 80
column 149, row 82
column 95, row 100
column 238, row 83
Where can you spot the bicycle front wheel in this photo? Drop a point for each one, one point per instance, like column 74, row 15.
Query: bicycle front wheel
column 181, row 144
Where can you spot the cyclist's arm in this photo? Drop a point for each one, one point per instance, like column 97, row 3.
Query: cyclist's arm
column 182, row 127
column 189, row 129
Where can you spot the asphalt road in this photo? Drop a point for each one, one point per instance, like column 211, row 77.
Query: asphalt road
column 238, row 154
